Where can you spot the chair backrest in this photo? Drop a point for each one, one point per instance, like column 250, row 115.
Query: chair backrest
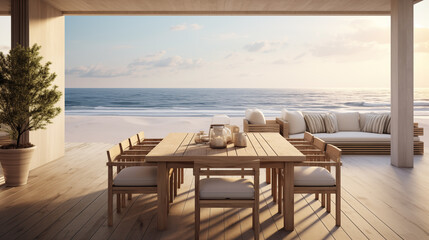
column 125, row 145
column 333, row 153
column 113, row 153
column 308, row 137
column 140, row 137
column 134, row 140
column 319, row 143
column 239, row 168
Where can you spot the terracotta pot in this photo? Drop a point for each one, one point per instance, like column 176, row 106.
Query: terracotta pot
column 16, row 164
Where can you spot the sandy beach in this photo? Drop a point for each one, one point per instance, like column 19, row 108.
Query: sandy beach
column 113, row 129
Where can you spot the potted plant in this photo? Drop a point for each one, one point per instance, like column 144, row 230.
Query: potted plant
column 27, row 103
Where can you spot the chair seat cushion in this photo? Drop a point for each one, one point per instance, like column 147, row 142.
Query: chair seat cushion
column 313, row 176
column 136, row 176
column 226, row 188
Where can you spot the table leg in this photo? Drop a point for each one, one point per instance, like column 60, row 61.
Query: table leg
column 288, row 197
column 162, row 182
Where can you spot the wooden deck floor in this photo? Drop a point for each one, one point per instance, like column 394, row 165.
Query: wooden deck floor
column 66, row 199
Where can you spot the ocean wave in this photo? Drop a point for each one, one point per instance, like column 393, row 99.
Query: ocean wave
column 367, row 104
column 233, row 102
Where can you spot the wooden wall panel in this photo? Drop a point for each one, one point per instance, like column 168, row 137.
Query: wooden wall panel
column 47, row 30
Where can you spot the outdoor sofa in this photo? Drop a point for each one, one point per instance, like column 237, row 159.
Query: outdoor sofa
column 349, row 137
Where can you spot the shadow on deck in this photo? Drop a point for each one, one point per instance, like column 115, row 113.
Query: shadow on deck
column 67, row 198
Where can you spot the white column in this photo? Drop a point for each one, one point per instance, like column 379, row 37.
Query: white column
column 402, row 89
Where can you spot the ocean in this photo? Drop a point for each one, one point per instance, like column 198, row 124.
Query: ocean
column 206, row 102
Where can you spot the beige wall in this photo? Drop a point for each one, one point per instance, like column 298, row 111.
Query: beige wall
column 47, row 30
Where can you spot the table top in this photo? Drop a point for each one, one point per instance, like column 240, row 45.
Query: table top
column 268, row 147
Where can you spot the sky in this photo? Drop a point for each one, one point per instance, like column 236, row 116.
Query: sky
column 234, row 52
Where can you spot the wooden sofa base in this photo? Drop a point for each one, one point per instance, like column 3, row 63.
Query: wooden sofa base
column 373, row 148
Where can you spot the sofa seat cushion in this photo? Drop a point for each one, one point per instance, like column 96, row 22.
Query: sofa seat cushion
column 226, row 188
column 136, row 176
column 313, row 176
column 349, row 137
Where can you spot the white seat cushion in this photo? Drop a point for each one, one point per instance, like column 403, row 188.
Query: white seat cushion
column 295, row 119
column 350, row 137
column 313, row 176
column 136, row 176
column 226, row 188
column 348, row 121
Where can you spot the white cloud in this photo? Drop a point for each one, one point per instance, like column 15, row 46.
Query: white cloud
column 179, row 27
column 299, row 56
column 365, row 37
column 137, row 67
column 232, row 55
column 263, row 46
column 159, row 61
column 98, row 71
column 184, row 26
column 196, row 26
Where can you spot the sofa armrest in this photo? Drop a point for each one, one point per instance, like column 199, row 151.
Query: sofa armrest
column 284, row 127
column 417, row 130
column 270, row 126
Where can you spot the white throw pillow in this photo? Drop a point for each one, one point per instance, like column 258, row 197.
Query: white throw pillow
column 375, row 123
column 256, row 117
column 284, row 111
column 248, row 112
column 296, row 121
column 348, row 121
column 331, row 123
column 362, row 118
column 315, row 122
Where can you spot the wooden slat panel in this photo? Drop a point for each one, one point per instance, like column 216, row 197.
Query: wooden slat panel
column 247, row 151
column 169, row 145
column 231, row 150
column 281, row 147
column 188, row 140
column 252, row 141
column 394, row 210
column 267, row 148
column 247, row 6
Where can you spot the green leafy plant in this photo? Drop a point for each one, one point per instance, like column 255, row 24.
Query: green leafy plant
column 27, row 96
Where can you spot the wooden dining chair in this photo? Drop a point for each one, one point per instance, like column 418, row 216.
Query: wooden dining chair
column 305, row 141
column 312, row 147
column 133, row 176
column 313, row 152
column 316, row 177
column 227, row 192
column 127, row 148
column 180, row 172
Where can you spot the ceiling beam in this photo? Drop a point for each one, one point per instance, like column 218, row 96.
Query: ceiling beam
column 232, row 13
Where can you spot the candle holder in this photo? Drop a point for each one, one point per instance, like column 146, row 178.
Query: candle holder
column 218, row 136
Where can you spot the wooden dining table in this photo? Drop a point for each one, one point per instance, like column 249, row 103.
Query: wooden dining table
column 179, row 150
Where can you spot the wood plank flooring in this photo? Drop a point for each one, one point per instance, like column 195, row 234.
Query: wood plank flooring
column 66, row 199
